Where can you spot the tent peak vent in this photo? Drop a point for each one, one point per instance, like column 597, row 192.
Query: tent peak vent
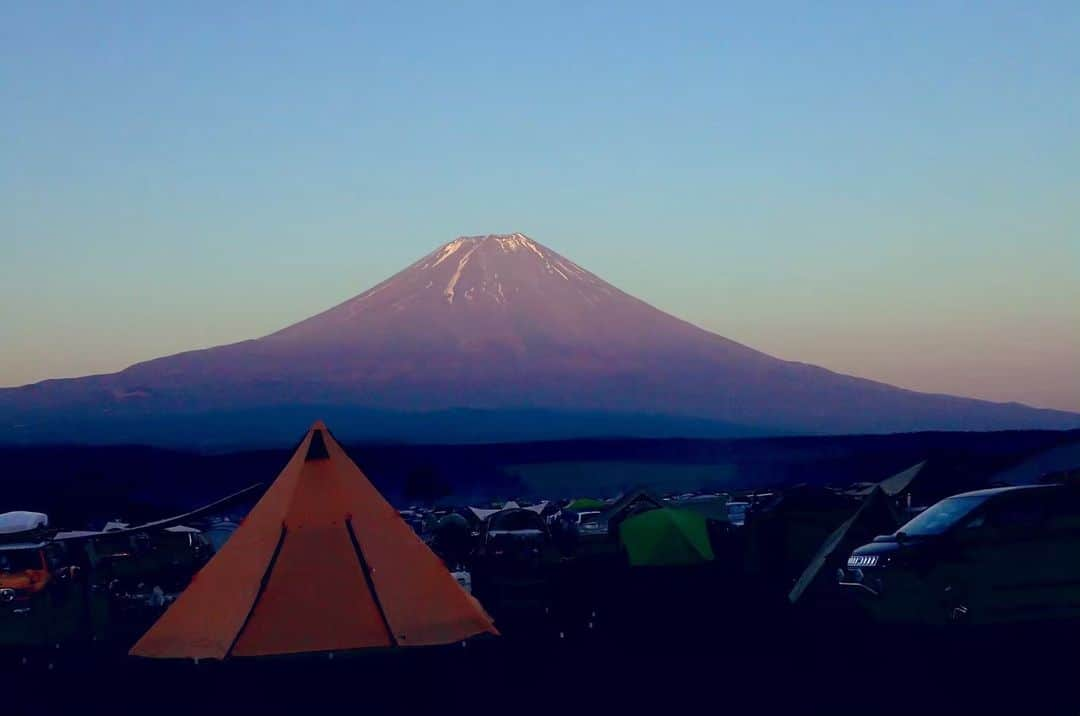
column 317, row 448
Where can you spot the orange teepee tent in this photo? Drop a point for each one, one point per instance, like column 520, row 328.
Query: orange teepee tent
column 322, row 563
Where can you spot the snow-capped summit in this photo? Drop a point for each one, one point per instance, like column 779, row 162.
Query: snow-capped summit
column 487, row 252
column 499, row 323
column 480, row 290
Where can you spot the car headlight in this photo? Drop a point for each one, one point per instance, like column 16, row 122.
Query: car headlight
column 862, row 560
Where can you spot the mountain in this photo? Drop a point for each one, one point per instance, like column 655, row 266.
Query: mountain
column 497, row 331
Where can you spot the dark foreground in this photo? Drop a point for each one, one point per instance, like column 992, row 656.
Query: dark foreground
column 661, row 649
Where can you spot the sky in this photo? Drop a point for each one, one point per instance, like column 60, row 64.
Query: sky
column 890, row 190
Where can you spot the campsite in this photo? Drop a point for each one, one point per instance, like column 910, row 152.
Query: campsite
column 583, row 359
column 311, row 590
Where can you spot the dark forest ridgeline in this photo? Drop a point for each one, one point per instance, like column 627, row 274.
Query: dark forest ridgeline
column 78, row 485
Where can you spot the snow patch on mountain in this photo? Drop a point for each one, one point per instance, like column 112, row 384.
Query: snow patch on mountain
column 449, row 292
column 447, row 251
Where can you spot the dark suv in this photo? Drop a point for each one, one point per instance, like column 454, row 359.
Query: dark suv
column 992, row 556
column 510, row 567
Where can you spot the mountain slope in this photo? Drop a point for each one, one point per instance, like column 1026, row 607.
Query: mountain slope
column 498, row 323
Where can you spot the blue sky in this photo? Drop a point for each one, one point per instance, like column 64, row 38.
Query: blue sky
column 890, row 190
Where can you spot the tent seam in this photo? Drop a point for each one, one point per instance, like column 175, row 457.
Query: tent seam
column 263, row 583
column 365, row 568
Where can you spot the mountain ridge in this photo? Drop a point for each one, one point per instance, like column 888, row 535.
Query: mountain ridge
column 500, row 322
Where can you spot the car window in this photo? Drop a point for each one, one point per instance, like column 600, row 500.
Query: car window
column 1064, row 512
column 938, row 518
column 975, row 523
column 20, row 560
column 1025, row 512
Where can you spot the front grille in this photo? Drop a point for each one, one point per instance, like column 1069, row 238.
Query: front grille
column 862, row 560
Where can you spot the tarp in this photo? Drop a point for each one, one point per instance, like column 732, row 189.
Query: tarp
column 666, row 537
column 893, row 486
column 874, row 517
column 183, row 529
column 16, row 522
column 901, row 481
column 322, row 563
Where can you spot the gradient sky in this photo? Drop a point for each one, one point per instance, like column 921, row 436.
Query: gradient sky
column 886, row 189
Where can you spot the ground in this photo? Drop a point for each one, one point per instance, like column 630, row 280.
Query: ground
column 661, row 652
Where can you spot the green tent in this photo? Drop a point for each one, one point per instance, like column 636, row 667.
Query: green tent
column 666, row 537
column 583, row 504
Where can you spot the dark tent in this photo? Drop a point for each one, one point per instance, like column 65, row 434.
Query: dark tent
column 782, row 537
column 452, row 539
column 1059, row 459
column 630, row 504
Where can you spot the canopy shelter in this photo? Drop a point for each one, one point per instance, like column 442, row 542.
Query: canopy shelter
column 20, row 522
column 900, row 483
column 874, row 517
column 897, row 486
column 322, row 563
column 666, row 537
column 482, row 513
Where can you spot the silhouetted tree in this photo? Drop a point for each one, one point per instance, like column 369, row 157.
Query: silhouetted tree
column 424, row 485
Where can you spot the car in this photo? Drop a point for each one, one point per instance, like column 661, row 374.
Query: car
column 510, row 568
column 587, row 522
column 40, row 590
column 75, row 586
column 578, row 517
column 415, row 520
column 566, row 527
column 998, row 555
column 736, row 513
column 513, row 539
